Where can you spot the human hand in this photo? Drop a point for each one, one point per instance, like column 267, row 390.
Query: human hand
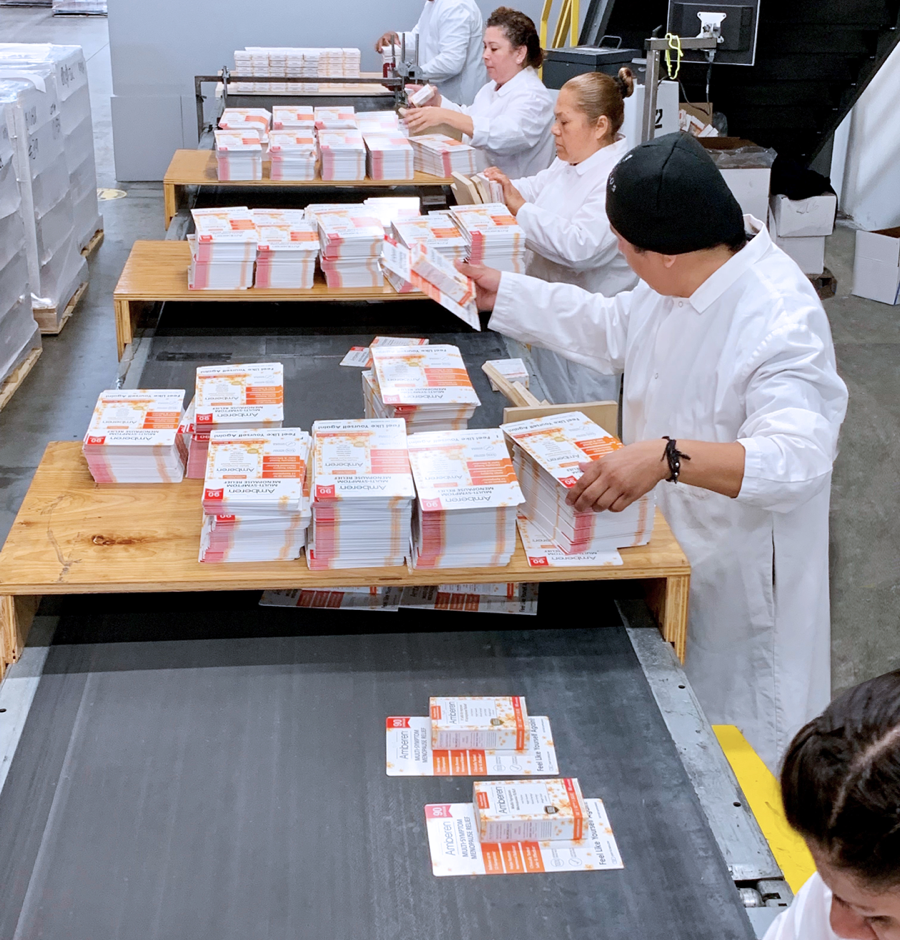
column 487, row 283
column 616, row 480
column 387, row 39
column 420, row 119
column 511, row 196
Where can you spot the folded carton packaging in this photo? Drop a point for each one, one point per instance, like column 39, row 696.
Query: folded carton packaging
column 746, row 168
column 807, row 251
column 876, row 269
column 801, row 218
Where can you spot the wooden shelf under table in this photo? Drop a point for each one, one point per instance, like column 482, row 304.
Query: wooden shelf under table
column 198, row 168
column 158, row 271
column 72, row 536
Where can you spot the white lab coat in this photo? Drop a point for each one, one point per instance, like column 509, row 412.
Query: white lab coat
column 747, row 357
column 450, row 48
column 808, row 918
column 511, row 124
column 570, row 241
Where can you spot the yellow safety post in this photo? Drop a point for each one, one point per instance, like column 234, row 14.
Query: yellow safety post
column 764, row 797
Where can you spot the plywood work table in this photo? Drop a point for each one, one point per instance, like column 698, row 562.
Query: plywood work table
column 198, row 168
column 158, row 271
column 72, row 536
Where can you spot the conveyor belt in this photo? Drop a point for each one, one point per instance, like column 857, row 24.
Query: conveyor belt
column 188, row 772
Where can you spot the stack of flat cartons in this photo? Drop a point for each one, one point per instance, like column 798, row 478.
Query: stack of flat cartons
column 19, row 334
column 380, row 122
column 56, row 267
column 77, row 126
column 242, row 120
column 293, row 155
column 494, row 237
column 437, row 230
column 442, row 156
column 388, row 158
column 467, row 498
column 133, row 437
column 362, row 495
column 253, row 495
column 235, row 398
column 800, row 226
column 292, row 119
column 546, row 455
column 287, row 248
column 342, row 154
column 223, row 249
column 239, row 155
column 350, row 248
column 426, row 386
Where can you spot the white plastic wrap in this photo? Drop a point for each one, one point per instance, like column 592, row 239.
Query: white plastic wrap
column 72, row 91
column 32, row 119
column 19, row 333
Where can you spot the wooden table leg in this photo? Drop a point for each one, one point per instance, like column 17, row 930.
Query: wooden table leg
column 170, row 195
column 124, row 324
column 668, row 599
column 16, row 615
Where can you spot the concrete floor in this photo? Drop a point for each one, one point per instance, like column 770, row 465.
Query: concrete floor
column 56, row 400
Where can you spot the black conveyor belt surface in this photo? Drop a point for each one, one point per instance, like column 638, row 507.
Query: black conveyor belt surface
column 224, row 788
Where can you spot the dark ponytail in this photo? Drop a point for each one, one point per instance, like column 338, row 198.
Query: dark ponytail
column 519, row 30
column 840, row 782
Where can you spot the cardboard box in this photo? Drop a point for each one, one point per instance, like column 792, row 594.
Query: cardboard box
column 529, row 810
column 491, row 722
column 808, row 252
column 876, row 269
column 801, row 218
column 749, row 182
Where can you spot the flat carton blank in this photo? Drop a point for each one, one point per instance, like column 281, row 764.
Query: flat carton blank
column 876, row 268
column 803, row 218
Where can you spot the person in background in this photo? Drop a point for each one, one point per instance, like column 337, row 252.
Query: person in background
column 731, row 394
column 840, row 784
column 449, row 47
column 563, row 213
column 509, row 121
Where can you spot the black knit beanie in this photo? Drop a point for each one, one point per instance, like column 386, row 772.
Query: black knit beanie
column 667, row 196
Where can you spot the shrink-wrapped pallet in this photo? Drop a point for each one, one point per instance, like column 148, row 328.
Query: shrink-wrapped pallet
column 77, row 128
column 55, row 265
column 19, row 334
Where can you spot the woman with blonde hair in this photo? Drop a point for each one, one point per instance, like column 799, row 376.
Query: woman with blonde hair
column 563, row 212
column 509, row 120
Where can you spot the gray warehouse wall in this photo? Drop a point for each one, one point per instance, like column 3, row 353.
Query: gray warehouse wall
column 157, row 48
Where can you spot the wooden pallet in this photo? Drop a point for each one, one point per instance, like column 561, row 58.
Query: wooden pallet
column 17, row 377
column 46, row 317
column 93, row 244
column 825, row 284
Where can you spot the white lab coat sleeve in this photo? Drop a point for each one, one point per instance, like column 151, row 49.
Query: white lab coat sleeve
column 580, row 326
column 520, row 127
column 531, row 187
column 808, row 918
column 582, row 240
column 795, row 403
column 454, row 29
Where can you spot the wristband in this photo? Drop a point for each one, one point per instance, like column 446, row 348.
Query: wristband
column 674, row 457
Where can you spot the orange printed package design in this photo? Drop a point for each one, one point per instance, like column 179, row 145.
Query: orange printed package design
column 529, row 810
column 489, row 722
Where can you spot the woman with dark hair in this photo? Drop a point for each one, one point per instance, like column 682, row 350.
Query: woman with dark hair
column 840, row 783
column 509, row 121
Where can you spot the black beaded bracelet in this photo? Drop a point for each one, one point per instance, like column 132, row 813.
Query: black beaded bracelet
column 674, row 457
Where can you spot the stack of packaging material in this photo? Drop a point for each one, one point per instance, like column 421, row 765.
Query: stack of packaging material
column 336, row 119
column 546, row 455
column 254, row 495
column 351, row 246
column 295, row 62
column 189, row 434
column 467, row 498
column 388, row 158
column 79, row 7
column 77, row 127
column 342, row 155
column 493, row 236
column 133, row 437
column 439, row 155
column 293, row 155
column 238, row 155
column 380, row 122
column 388, row 209
column 242, row 120
column 362, row 495
column 234, row 398
column 362, row 355
column 293, row 119
column 437, row 230
column 223, row 249
column 56, row 268
column 288, row 246
column 426, row 386
column 19, row 334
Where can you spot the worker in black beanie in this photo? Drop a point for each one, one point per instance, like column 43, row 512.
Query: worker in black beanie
column 731, row 406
